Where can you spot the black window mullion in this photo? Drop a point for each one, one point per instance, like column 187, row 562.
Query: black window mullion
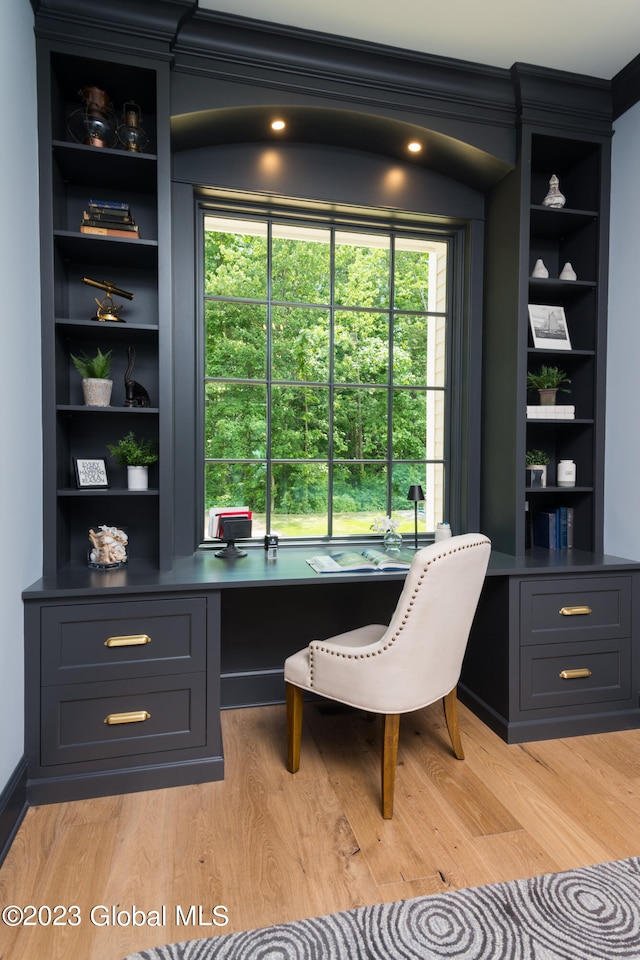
column 332, row 389
column 269, row 340
column 392, row 274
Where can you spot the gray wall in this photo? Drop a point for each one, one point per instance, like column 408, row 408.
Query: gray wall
column 622, row 459
column 20, row 415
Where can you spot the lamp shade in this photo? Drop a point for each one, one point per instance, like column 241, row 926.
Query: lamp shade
column 416, row 492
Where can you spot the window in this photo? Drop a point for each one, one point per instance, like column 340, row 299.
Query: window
column 325, row 387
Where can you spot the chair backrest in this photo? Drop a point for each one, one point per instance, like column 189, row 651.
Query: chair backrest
column 423, row 648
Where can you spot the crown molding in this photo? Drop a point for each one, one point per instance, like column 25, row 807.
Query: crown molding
column 626, row 87
column 216, row 44
column 149, row 19
column 568, row 101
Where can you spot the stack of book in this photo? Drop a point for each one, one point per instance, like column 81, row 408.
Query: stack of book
column 559, row 411
column 109, row 218
column 553, row 529
column 217, row 517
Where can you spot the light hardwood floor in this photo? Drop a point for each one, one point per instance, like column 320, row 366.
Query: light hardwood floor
column 273, row 847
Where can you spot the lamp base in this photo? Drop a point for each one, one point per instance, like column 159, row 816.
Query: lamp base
column 230, row 552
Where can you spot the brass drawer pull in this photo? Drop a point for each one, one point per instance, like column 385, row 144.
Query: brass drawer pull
column 134, row 641
column 135, row 716
column 574, row 611
column 575, row 674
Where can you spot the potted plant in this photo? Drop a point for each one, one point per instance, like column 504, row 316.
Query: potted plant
column 96, row 385
column 547, row 381
column 536, row 461
column 136, row 456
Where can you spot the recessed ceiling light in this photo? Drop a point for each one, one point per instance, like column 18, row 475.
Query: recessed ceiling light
column 414, row 146
column 278, row 124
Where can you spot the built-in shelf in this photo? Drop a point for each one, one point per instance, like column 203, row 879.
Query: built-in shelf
column 106, row 411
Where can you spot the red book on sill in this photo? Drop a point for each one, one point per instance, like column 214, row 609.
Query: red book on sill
column 216, row 515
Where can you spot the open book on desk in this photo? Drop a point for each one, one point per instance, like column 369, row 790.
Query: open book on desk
column 368, row 561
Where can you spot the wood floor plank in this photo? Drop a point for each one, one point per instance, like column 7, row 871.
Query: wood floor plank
column 350, row 746
column 273, row 847
column 72, row 874
column 516, row 774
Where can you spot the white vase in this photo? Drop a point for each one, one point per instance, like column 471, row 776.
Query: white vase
column 137, row 478
column 568, row 273
column 97, row 393
column 566, row 473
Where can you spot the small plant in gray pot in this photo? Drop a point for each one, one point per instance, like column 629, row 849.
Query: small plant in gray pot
column 536, row 461
column 137, row 456
column 95, row 371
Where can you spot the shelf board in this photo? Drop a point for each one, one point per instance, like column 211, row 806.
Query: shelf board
column 105, row 411
column 548, row 223
column 98, row 329
column 555, row 423
column 550, row 489
column 552, row 287
column 109, row 492
column 111, row 168
column 112, row 251
column 557, row 353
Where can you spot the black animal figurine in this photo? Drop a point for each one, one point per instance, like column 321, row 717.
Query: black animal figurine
column 135, row 393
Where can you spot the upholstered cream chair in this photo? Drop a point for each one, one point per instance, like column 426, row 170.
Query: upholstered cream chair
column 413, row 662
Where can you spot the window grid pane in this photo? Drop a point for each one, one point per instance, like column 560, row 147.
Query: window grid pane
column 325, row 373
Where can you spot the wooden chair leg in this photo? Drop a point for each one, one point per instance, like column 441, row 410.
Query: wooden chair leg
column 294, row 726
column 451, row 716
column 389, row 759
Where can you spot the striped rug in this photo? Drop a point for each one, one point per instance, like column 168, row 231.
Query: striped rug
column 592, row 913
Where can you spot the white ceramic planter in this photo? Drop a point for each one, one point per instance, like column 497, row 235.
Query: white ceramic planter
column 566, row 473
column 137, row 478
column 97, row 393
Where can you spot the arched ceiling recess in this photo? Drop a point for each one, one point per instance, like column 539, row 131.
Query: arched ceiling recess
column 340, row 128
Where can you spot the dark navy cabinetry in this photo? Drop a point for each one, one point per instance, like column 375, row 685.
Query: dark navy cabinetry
column 126, row 672
column 72, row 174
column 122, row 694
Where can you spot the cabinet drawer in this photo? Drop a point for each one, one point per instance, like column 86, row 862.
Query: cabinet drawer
column 589, row 608
column 165, row 713
column 607, row 661
column 105, row 641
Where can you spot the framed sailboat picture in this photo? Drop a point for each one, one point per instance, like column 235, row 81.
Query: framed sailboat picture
column 549, row 327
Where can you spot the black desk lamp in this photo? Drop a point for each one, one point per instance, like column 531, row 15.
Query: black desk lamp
column 416, row 494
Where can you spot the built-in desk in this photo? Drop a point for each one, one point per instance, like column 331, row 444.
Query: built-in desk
column 126, row 671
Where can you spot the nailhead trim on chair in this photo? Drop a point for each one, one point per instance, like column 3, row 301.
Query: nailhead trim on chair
column 389, row 643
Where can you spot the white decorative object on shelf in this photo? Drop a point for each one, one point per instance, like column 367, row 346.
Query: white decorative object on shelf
column 443, row 531
column 554, row 198
column 566, row 473
column 539, row 270
column 108, row 548
column 568, row 273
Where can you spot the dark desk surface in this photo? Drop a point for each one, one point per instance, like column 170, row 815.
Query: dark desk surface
column 203, row 570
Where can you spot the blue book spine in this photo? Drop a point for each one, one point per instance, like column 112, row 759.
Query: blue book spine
column 544, row 529
column 109, row 204
column 561, row 528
